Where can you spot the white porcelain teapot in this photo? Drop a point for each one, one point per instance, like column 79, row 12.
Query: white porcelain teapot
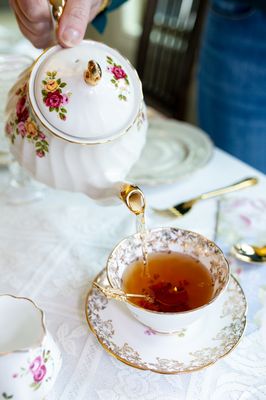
column 76, row 119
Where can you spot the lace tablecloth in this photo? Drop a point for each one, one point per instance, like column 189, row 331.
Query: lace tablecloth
column 52, row 249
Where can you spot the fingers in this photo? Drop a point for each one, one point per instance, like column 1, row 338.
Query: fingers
column 96, row 4
column 41, row 42
column 34, row 10
column 34, row 20
column 73, row 22
column 35, row 23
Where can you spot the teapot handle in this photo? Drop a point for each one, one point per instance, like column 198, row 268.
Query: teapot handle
column 57, row 8
column 93, row 73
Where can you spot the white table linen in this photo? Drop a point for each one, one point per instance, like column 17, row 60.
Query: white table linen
column 52, row 249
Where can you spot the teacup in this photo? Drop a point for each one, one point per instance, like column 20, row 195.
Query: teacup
column 166, row 240
column 29, row 358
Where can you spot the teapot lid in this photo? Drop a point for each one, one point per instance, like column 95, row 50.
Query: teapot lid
column 85, row 94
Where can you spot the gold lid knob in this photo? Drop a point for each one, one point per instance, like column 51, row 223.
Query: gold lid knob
column 93, row 73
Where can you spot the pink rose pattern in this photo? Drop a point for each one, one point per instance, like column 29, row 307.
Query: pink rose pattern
column 22, row 129
column 53, row 96
column 119, row 78
column 24, row 124
column 149, row 332
column 37, row 368
column 22, row 110
column 53, row 99
column 118, row 72
column 40, row 374
column 35, row 365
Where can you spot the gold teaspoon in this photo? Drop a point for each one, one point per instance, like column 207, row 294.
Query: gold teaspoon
column 248, row 253
column 119, row 294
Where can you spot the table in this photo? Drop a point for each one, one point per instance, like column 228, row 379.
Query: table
column 52, row 249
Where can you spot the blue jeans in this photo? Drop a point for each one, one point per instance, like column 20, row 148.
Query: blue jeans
column 232, row 80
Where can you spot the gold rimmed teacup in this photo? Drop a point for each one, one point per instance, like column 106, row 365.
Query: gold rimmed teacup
column 165, row 240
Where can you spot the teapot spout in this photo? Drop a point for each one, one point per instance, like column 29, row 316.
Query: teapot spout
column 133, row 198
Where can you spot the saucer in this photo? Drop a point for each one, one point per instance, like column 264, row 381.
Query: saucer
column 178, row 148
column 188, row 350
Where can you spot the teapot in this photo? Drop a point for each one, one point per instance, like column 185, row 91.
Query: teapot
column 76, row 120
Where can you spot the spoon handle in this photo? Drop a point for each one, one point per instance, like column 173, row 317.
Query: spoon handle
column 117, row 294
column 244, row 183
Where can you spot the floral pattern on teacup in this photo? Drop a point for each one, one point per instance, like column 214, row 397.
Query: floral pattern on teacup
column 38, row 370
column 53, row 96
column 119, row 78
column 7, row 396
column 24, row 124
column 149, row 332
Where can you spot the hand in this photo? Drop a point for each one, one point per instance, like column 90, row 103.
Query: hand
column 33, row 17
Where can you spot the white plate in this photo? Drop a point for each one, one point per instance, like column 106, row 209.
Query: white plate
column 173, row 150
column 188, row 350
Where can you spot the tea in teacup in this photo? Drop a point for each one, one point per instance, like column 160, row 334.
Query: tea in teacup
column 174, row 281
column 180, row 247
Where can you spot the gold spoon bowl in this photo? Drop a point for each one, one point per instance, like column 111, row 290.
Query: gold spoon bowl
column 248, row 253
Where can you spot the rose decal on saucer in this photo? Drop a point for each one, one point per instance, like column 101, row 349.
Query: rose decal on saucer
column 53, row 96
column 38, row 369
column 119, row 78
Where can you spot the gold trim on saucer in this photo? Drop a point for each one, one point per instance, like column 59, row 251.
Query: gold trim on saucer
column 221, row 335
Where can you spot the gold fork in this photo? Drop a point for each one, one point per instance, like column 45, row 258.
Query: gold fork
column 181, row 209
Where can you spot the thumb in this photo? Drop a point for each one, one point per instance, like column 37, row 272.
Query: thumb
column 73, row 23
